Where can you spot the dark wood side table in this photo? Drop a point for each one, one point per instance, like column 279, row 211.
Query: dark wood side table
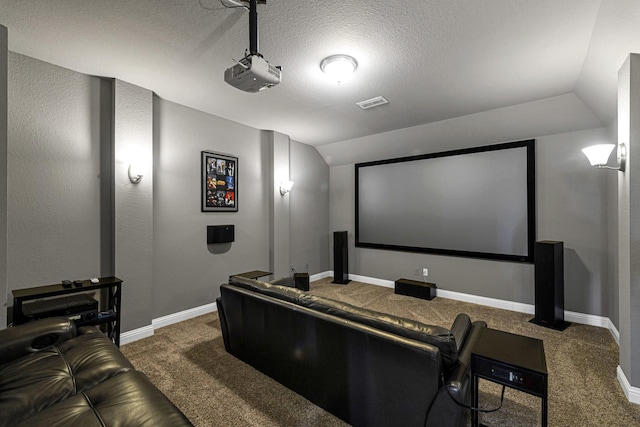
column 111, row 285
column 255, row 274
column 511, row 360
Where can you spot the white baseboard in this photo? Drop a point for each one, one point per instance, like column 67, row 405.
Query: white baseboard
column 614, row 331
column 147, row 331
column 136, row 334
column 320, row 276
column 486, row 301
column 372, row 281
column 570, row 316
column 632, row 393
column 183, row 315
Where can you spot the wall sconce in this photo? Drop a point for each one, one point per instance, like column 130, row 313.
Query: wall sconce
column 285, row 187
column 136, row 172
column 598, row 155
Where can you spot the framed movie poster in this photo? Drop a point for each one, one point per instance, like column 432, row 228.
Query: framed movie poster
column 219, row 182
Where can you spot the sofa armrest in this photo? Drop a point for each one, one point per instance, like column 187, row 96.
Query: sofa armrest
column 32, row 337
column 455, row 378
column 460, row 329
column 447, row 409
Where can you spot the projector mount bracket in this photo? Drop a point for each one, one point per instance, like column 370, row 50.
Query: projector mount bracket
column 253, row 23
column 252, row 73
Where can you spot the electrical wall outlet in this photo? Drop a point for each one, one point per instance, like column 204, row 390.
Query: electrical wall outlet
column 425, row 272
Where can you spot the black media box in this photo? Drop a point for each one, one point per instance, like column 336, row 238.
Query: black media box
column 414, row 288
column 81, row 308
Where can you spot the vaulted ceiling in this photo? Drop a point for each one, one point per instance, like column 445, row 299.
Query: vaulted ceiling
column 432, row 59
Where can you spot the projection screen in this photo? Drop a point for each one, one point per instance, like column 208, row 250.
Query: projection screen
column 477, row 202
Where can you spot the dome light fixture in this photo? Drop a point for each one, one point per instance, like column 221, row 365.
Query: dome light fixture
column 339, row 67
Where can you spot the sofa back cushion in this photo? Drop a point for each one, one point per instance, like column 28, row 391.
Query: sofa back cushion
column 437, row 336
column 280, row 292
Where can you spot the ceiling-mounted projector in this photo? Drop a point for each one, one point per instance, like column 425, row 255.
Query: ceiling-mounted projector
column 253, row 73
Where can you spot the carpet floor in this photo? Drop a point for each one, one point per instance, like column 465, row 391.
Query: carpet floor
column 187, row 361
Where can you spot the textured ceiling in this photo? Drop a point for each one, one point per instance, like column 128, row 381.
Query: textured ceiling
column 432, row 59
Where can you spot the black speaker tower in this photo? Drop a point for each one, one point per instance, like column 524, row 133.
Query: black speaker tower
column 549, row 285
column 340, row 258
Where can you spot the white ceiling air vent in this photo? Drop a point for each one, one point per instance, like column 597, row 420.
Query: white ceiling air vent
column 373, row 102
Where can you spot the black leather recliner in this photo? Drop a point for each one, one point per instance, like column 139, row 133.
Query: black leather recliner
column 52, row 374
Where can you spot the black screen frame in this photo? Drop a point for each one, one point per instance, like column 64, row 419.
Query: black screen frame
column 529, row 144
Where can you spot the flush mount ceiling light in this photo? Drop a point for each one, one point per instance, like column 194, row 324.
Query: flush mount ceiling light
column 339, row 67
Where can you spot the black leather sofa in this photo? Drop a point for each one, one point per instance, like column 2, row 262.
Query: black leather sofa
column 52, row 374
column 365, row 367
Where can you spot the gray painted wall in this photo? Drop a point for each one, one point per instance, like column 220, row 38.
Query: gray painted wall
column 152, row 234
column 569, row 208
column 549, row 116
column 3, row 177
column 187, row 271
column 309, row 219
column 53, row 174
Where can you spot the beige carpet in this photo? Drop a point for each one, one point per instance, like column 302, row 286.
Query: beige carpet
column 187, row 361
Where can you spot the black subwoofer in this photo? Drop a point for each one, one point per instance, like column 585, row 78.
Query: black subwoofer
column 340, row 258
column 549, row 284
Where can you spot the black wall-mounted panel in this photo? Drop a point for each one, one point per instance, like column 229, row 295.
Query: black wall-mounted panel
column 220, row 233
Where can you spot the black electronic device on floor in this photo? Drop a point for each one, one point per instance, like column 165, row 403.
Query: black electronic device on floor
column 81, row 308
column 414, row 288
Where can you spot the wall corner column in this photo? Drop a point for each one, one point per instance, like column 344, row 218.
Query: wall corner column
column 629, row 225
column 133, row 203
column 4, row 66
column 278, row 152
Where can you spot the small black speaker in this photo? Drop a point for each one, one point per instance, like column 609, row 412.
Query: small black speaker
column 301, row 281
column 220, row 233
column 340, row 258
column 549, row 284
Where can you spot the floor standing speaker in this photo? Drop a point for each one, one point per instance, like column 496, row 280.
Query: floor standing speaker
column 549, row 284
column 340, row 258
